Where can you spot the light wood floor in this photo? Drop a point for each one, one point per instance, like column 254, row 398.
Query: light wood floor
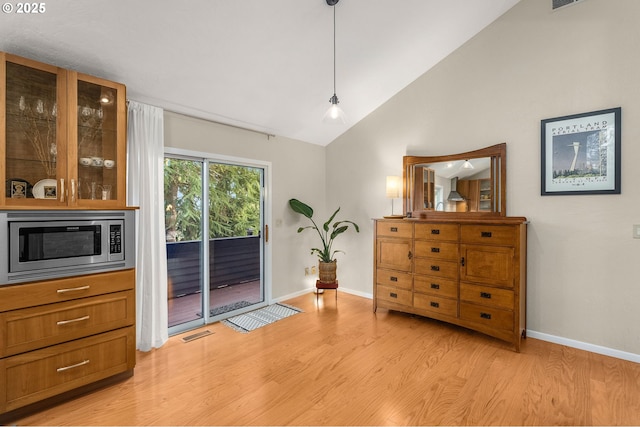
column 341, row 364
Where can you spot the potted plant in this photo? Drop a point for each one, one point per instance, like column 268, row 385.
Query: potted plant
column 327, row 264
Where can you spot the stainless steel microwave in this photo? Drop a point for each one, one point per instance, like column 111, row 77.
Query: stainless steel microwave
column 53, row 244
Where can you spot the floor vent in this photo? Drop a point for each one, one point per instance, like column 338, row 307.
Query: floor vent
column 189, row 338
column 557, row 4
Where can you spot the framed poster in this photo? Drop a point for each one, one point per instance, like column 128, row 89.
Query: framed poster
column 581, row 153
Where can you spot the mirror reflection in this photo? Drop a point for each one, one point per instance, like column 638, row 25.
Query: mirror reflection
column 470, row 183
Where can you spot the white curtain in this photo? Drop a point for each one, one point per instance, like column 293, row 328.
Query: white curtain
column 145, row 152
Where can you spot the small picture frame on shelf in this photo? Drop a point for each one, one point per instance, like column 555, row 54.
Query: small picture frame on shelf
column 50, row 192
column 18, row 189
column 580, row 153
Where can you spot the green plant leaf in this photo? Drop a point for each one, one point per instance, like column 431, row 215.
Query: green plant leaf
column 301, row 208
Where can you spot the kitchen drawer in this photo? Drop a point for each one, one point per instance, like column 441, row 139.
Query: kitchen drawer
column 489, row 234
column 394, row 278
column 31, row 328
column 436, row 268
column 33, row 376
column 437, row 231
column 445, row 306
column 14, row 297
column 394, row 229
column 436, row 249
column 395, row 295
column 435, row 286
column 486, row 295
column 489, row 316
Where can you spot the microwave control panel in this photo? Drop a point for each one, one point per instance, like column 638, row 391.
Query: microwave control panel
column 115, row 238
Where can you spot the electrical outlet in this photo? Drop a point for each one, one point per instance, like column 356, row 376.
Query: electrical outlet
column 636, row 231
column 306, row 271
column 314, row 270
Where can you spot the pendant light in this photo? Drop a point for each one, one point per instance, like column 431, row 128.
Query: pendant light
column 334, row 114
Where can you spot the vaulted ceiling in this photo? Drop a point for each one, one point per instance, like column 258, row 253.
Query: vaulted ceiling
column 264, row 65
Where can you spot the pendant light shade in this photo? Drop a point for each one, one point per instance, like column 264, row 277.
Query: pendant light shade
column 334, row 114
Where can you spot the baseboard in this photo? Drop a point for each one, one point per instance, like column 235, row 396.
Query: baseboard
column 593, row 348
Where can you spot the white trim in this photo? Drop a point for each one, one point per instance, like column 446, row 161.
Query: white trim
column 593, row 348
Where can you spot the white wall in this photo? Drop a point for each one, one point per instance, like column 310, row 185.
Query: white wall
column 298, row 170
column 529, row 65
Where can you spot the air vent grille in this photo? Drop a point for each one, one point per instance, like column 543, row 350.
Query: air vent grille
column 557, row 4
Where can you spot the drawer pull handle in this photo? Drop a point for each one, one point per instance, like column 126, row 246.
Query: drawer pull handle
column 435, row 250
column 394, row 229
column 435, row 286
column 485, row 316
column 393, row 295
column 66, row 322
column 435, row 304
column 77, row 365
column 435, row 231
column 393, row 279
column 486, row 295
column 435, row 268
column 80, row 288
column 485, row 234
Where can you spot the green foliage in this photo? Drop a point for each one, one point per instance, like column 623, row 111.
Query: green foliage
column 327, row 234
column 234, row 200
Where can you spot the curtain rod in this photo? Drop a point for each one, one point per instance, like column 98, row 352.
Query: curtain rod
column 267, row 134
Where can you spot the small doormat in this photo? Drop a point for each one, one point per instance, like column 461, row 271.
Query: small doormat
column 258, row 318
column 229, row 307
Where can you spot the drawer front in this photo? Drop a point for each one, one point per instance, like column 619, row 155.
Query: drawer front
column 488, row 296
column 435, row 286
column 394, row 279
column 34, row 376
column 32, row 294
column 448, row 307
column 394, row 229
column 437, row 231
column 489, row 316
column 436, row 268
column 436, row 249
column 489, row 234
column 31, row 328
column 395, row 295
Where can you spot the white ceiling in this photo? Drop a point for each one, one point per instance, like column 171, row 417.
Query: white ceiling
column 263, row 65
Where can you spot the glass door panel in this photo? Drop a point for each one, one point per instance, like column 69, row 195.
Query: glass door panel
column 97, row 146
column 235, row 239
column 183, row 226
column 34, row 157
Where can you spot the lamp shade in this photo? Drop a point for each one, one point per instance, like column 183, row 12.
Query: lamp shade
column 393, row 187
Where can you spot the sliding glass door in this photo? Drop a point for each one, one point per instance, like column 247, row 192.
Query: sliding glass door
column 223, row 274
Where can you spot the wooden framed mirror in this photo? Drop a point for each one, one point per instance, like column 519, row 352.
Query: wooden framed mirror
column 470, row 184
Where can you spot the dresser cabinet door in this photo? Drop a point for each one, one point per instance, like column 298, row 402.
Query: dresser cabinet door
column 493, row 265
column 395, row 254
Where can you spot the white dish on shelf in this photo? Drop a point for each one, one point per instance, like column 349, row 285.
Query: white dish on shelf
column 38, row 189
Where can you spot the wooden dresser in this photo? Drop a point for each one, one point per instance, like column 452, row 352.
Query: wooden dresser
column 469, row 272
column 62, row 334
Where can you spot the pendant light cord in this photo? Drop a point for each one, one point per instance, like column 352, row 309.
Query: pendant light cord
column 334, row 49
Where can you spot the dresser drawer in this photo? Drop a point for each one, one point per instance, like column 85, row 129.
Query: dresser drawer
column 34, row 376
column 489, row 234
column 436, row 249
column 32, row 328
column 436, row 231
column 394, row 229
column 395, row 295
column 489, row 316
column 434, row 304
column 394, row 279
column 486, row 295
column 435, row 286
column 436, row 268
column 32, row 294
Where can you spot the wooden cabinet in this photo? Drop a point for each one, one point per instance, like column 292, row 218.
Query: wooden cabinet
column 469, row 272
column 59, row 335
column 62, row 137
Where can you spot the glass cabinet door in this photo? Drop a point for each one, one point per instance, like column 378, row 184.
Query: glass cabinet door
column 97, row 142
column 34, row 162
